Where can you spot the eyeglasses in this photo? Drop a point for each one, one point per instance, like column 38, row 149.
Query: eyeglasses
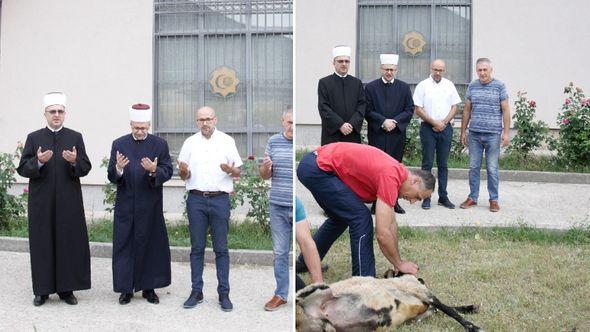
column 54, row 112
column 205, row 120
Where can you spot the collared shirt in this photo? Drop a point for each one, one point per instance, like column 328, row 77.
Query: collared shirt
column 137, row 139
column 385, row 81
column 280, row 150
column 486, row 105
column 342, row 76
column 436, row 98
column 369, row 172
column 204, row 157
column 55, row 130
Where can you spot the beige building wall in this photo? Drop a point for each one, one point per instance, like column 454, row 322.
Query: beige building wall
column 319, row 26
column 98, row 52
column 537, row 46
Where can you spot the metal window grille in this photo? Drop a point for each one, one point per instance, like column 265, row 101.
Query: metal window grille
column 232, row 55
column 420, row 31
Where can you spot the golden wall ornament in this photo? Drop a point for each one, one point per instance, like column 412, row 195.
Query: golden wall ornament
column 413, row 43
column 224, row 81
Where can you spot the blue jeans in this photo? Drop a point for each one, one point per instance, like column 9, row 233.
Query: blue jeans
column 439, row 143
column 281, row 227
column 205, row 212
column 478, row 143
column 345, row 210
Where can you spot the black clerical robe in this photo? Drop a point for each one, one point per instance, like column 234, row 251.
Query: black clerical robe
column 341, row 100
column 141, row 253
column 58, row 239
column 391, row 101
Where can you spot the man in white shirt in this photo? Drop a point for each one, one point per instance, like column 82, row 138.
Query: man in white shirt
column 208, row 162
column 436, row 99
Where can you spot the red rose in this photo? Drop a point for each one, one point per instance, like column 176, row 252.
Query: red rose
column 250, row 157
column 532, row 104
column 565, row 121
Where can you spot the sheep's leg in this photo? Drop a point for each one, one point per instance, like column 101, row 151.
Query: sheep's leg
column 469, row 326
column 467, row 309
column 424, row 315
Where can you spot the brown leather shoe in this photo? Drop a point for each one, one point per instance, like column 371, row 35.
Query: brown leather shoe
column 275, row 303
column 468, row 203
column 494, row 207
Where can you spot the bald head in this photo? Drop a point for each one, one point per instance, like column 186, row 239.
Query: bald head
column 437, row 69
column 205, row 111
column 206, row 121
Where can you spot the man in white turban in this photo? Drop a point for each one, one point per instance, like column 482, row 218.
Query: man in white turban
column 390, row 108
column 139, row 166
column 341, row 101
column 54, row 159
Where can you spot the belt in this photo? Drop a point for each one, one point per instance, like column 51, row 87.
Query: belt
column 207, row 193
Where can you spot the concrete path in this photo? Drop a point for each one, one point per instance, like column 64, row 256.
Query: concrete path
column 538, row 204
column 98, row 308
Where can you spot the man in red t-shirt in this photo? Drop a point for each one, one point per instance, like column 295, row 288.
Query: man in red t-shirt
column 342, row 177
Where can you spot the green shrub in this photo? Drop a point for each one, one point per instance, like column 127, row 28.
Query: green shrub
column 109, row 189
column 413, row 146
column 11, row 206
column 573, row 143
column 252, row 187
column 530, row 134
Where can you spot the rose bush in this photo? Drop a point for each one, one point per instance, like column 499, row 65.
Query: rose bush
column 530, row 134
column 573, row 142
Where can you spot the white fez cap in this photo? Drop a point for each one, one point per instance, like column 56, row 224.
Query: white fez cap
column 389, row 59
column 140, row 113
column 341, row 51
column 54, row 98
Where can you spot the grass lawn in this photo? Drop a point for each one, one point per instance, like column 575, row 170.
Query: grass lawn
column 244, row 235
column 525, row 279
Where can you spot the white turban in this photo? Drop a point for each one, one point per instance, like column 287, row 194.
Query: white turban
column 389, row 59
column 140, row 113
column 54, row 98
column 341, row 51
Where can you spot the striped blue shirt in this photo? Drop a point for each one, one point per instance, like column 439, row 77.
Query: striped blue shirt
column 486, row 112
column 280, row 151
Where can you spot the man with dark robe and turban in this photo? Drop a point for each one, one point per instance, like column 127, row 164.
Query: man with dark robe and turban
column 390, row 108
column 341, row 101
column 54, row 159
column 139, row 166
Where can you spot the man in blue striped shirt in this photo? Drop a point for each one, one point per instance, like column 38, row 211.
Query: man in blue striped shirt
column 487, row 112
column 278, row 164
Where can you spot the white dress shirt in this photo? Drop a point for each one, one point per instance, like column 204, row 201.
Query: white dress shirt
column 436, row 98
column 204, row 157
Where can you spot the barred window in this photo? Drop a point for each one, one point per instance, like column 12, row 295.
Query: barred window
column 420, row 31
column 232, row 55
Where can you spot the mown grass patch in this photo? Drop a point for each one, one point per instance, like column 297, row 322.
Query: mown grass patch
column 525, row 279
